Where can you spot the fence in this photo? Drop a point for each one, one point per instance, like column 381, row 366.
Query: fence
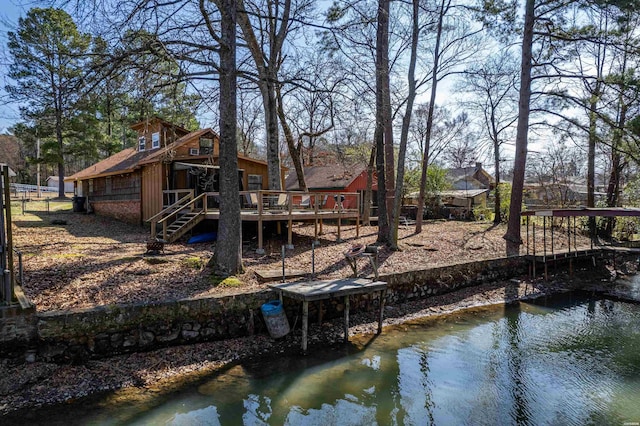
column 24, row 188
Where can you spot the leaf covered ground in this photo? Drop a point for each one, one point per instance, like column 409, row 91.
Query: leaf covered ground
column 73, row 260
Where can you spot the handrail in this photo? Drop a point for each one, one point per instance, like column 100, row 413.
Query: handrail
column 171, row 207
column 189, row 204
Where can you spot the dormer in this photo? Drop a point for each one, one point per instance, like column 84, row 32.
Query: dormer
column 155, row 133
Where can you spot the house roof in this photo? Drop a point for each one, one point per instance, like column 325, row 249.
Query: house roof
column 124, row 161
column 129, row 159
column 153, row 119
column 158, row 153
column 456, row 193
column 11, row 172
column 459, row 173
column 463, row 193
column 326, row 177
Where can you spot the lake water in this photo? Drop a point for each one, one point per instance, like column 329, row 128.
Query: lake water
column 566, row 361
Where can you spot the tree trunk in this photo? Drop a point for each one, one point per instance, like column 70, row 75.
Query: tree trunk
column 387, row 120
column 294, row 151
column 591, row 157
column 366, row 208
column 497, row 214
column 60, row 140
column 512, row 236
column 432, row 100
column 228, row 252
column 268, row 90
column 382, row 48
column 267, row 67
column 406, row 122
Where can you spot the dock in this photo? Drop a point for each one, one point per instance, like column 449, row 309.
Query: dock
column 311, row 291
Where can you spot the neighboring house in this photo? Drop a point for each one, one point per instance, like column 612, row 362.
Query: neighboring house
column 473, row 177
column 52, row 182
column 12, row 174
column 335, row 179
column 565, row 193
column 136, row 183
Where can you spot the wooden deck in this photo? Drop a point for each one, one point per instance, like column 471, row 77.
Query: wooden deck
column 325, row 289
column 184, row 210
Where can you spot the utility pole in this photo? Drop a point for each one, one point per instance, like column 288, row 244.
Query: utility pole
column 38, row 167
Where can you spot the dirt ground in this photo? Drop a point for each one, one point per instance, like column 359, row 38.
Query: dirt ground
column 73, row 260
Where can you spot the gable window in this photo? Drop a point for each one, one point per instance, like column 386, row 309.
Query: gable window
column 155, row 140
column 141, row 143
column 206, row 146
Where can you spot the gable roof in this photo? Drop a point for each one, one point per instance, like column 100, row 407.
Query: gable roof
column 462, row 173
column 129, row 159
column 155, row 118
column 124, row 161
column 158, row 153
column 334, row 176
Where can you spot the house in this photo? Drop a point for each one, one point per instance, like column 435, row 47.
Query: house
column 562, row 193
column 167, row 162
column 12, row 174
column 52, row 182
column 335, row 179
column 473, row 177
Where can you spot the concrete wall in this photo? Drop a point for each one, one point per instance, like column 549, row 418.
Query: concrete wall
column 79, row 335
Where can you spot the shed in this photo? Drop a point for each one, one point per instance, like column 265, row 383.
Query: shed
column 52, row 182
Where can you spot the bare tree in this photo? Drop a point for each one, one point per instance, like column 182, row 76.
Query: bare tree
column 265, row 26
column 493, row 82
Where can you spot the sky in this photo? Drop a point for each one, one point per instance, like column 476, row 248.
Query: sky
column 10, row 11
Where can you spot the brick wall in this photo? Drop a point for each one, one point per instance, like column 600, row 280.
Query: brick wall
column 125, row 211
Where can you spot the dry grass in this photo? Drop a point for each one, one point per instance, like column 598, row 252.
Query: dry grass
column 98, row 261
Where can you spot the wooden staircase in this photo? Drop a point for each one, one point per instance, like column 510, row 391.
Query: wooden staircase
column 179, row 218
column 183, row 224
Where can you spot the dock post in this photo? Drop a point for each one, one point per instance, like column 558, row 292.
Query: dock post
column 346, row 318
column 383, row 296
column 305, row 325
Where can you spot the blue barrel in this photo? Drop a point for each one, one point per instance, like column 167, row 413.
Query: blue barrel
column 275, row 319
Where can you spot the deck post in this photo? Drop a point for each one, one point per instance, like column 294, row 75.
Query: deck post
column 339, row 226
column 260, row 249
column 290, row 234
column 305, row 324
column 346, row 318
column 320, row 227
column 315, row 231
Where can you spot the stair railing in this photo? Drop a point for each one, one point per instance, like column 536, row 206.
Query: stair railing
column 186, row 202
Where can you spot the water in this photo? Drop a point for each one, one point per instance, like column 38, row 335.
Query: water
column 572, row 362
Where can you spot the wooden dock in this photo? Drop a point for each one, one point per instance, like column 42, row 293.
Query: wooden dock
column 325, row 289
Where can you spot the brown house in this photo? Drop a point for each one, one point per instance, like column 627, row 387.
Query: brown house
column 167, row 163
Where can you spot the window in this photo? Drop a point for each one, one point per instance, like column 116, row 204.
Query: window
column 254, row 182
column 155, row 140
column 206, row 146
column 194, row 151
column 141, row 143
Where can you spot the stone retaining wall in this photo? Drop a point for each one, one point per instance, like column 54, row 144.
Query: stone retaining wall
column 79, row 335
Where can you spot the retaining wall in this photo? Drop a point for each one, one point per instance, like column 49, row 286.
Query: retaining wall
column 78, row 335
